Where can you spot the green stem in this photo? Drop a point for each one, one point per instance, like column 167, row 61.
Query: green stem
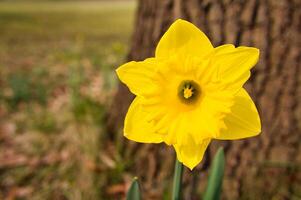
column 177, row 182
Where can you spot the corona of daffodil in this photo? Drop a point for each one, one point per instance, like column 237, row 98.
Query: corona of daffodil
column 190, row 93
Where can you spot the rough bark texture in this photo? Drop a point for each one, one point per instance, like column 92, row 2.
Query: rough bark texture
column 264, row 167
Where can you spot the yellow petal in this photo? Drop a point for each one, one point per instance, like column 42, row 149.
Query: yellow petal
column 138, row 76
column 201, row 123
column 136, row 126
column 183, row 37
column 234, row 64
column 191, row 155
column 243, row 121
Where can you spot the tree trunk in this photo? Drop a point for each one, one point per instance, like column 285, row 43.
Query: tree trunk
column 264, row 167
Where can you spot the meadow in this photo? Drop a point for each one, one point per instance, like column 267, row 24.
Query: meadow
column 57, row 80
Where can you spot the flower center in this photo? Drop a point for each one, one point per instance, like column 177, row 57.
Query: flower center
column 188, row 91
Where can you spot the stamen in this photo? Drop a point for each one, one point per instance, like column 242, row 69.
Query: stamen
column 188, row 91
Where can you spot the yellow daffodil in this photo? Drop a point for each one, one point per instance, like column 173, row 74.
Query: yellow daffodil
column 190, row 93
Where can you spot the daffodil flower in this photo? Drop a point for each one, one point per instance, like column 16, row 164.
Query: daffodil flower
column 190, row 93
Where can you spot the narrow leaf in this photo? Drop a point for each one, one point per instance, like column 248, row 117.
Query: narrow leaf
column 134, row 191
column 214, row 187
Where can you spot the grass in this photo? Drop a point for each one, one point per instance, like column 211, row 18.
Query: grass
column 41, row 27
column 57, row 81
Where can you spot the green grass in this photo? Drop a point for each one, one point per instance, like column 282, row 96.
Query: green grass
column 63, row 18
column 57, row 81
column 41, row 27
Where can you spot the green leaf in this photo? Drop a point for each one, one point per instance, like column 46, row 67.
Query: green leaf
column 214, row 187
column 134, row 191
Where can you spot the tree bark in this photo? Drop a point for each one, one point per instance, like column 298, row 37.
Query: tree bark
column 264, row 167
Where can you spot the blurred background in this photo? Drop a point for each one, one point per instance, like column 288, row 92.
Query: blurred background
column 57, row 79
column 62, row 107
